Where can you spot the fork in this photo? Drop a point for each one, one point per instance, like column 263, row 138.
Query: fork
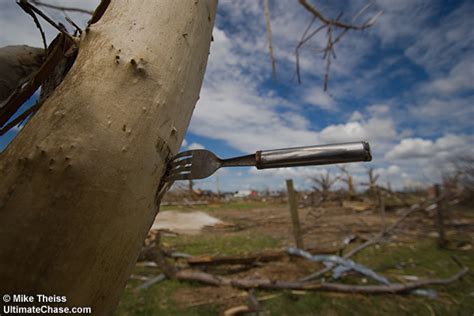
column 200, row 163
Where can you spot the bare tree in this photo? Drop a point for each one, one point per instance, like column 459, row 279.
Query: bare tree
column 348, row 180
column 372, row 181
column 458, row 180
column 465, row 167
column 324, row 182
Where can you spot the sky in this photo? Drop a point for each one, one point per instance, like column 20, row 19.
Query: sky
column 404, row 85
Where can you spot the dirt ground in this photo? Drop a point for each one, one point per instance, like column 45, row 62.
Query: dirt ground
column 259, row 227
column 190, row 223
column 325, row 226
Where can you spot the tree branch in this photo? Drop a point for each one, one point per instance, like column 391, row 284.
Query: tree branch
column 269, row 33
column 26, row 7
column 332, row 39
column 336, row 22
column 266, row 284
column 379, row 237
column 61, row 8
column 20, row 118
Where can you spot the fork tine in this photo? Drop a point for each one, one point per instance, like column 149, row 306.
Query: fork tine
column 179, row 169
column 182, row 162
column 183, row 154
column 178, row 176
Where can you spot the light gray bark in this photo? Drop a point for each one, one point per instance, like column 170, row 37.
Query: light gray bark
column 79, row 181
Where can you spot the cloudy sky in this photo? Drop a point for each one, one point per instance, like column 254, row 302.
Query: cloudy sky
column 405, row 85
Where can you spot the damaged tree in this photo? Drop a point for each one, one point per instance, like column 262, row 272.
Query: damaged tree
column 71, row 224
column 348, row 180
column 324, row 182
column 82, row 181
column 372, row 181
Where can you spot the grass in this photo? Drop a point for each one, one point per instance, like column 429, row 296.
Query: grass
column 230, row 244
column 157, row 300
column 232, row 205
column 422, row 259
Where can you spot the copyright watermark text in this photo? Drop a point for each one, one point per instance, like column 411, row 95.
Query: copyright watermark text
column 39, row 304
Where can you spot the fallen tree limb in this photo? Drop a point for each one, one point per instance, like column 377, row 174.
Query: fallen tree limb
column 150, row 252
column 237, row 310
column 266, row 284
column 253, row 258
column 377, row 239
column 246, row 259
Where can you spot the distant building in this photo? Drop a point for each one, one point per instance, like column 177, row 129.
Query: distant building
column 245, row 193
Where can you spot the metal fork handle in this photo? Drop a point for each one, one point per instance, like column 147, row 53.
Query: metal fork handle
column 313, row 155
column 242, row 161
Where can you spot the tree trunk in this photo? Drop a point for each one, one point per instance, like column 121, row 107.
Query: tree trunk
column 77, row 194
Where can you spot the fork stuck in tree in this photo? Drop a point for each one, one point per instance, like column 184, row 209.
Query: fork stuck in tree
column 200, row 163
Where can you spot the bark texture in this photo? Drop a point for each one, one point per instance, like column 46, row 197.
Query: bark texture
column 78, row 183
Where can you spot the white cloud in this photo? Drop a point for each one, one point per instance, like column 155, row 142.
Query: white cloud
column 378, row 109
column 356, row 116
column 393, row 169
column 422, row 148
column 317, row 97
column 231, row 107
column 411, row 148
column 375, row 129
column 195, row 146
column 439, row 47
column 289, row 173
column 247, row 121
column 451, row 115
column 459, row 79
column 402, row 18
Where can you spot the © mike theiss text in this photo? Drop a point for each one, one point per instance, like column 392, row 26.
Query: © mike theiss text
column 38, row 298
column 39, row 304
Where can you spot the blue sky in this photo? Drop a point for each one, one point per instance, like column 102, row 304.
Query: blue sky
column 405, row 85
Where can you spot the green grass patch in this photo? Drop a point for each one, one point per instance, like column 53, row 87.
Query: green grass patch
column 423, row 259
column 232, row 205
column 229, row 244
column 157, row 300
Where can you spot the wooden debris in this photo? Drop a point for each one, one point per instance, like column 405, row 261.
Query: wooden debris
column 377, row 239
column 359, row 206
column 253, row 258
column 237, row 310
column 267, row 284
column 246, row 259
